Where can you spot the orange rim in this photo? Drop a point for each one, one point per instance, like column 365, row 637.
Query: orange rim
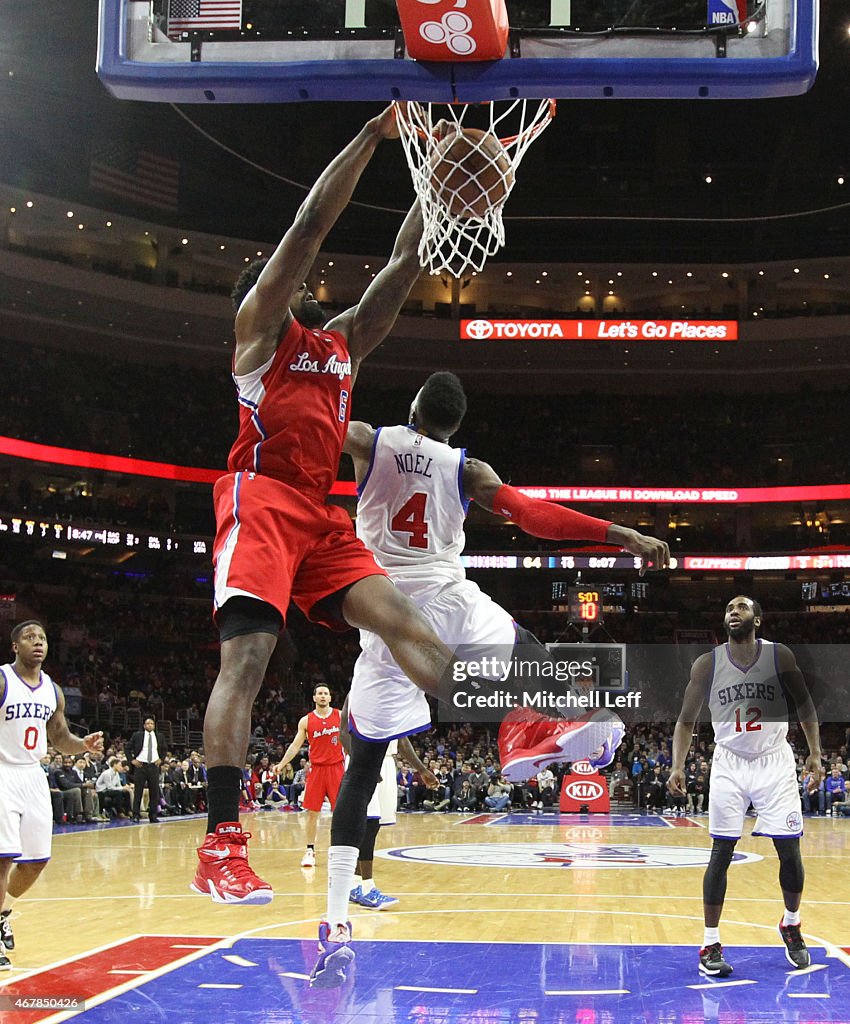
column 509, row 140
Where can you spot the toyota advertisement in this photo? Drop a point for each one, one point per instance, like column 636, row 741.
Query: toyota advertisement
column 598, row 330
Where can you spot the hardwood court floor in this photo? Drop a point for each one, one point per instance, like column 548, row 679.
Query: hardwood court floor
column 540, row 880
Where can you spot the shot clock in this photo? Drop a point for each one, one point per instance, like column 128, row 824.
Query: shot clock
column 585, row 604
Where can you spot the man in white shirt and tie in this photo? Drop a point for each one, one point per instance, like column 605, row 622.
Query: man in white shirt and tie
column 146, row 749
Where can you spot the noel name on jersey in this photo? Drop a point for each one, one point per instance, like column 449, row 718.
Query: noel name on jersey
column 28, row 709
column 409, row 463
column 333, row 365
column 745, row 691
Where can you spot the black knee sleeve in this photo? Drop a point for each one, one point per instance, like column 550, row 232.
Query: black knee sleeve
column 358, row 784
column 714, row 880
column 791, row 872
column 240, row 616
column 367, row 846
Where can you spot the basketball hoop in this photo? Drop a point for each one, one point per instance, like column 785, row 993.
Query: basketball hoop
column 464, row 173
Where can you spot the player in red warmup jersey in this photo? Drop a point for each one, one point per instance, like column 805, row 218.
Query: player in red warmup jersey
column 320, row 728
column 276, row 537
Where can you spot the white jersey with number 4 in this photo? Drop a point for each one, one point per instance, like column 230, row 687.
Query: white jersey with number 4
column 24, row 713
column 749, row 710
column 411, row 506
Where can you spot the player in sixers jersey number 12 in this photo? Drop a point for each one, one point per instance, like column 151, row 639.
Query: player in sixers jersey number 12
column 745, row 683
column 320, row 729
column 32, row 711
column 277, row 539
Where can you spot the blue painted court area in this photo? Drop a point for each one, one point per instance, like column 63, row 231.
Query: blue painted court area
column 630, row 820
column 262, row 980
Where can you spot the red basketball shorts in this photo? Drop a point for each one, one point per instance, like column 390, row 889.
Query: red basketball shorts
column 322, row 781
column 274, row 544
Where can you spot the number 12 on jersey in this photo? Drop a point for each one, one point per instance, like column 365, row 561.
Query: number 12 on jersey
column 753, row 722
column 410, row 519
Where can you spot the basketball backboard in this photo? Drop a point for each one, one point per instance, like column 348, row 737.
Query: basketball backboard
column 264, row 51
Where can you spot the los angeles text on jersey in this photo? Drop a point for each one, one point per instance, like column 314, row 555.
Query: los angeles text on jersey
column 746, row 691
column 28, row 709
column 330, row 730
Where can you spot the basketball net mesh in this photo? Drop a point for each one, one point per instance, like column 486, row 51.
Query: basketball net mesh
column 453, row 243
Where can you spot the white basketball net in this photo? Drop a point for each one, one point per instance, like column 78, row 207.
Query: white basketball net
column 458, row 244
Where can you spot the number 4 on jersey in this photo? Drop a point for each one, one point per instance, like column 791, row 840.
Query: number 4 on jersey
column 410, row 518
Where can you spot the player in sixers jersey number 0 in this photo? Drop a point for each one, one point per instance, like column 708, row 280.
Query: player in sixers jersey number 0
column 321, row 730
column 32, row 711
column 745, row 682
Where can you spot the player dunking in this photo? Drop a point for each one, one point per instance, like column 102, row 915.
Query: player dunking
column 745, row 682
column 319, row 728
column 33, row 713
column 414, row 490
column 276, row 537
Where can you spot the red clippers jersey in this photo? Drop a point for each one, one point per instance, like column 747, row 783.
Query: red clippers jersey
column 323, row 737
column 293, row 411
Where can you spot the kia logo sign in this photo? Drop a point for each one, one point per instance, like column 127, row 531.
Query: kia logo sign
column 583, row 768
column 479, row 329
column 585, row 790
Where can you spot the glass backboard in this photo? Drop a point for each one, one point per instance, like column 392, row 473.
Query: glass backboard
column 256, row 51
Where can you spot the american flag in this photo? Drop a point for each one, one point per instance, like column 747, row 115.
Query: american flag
column 136, row 174
column 203, row 15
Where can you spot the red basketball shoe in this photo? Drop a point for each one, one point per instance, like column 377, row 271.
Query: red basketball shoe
column 529, row 741
column 224, row 872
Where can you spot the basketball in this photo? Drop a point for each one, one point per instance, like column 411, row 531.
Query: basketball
column 470, row 172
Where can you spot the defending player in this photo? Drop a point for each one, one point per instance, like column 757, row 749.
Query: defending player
column 319, row 728
column 382, row 810
column 33, row 713
column 745, row 682
column 414, row 490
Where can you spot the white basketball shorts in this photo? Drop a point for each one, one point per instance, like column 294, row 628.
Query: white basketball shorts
column 768, row 782
column 383, row 703
column 384, row 800
column 26, row 814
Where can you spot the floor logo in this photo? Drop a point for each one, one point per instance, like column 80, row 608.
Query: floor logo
column 559, row 855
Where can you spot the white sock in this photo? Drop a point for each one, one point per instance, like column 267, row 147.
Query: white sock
column 357, row 880
column 10, row 901
column 342, row 860
column 368, row 885
column 710, row 936
column 791, row 917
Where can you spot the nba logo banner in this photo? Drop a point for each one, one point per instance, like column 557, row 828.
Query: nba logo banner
column 726, row 12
